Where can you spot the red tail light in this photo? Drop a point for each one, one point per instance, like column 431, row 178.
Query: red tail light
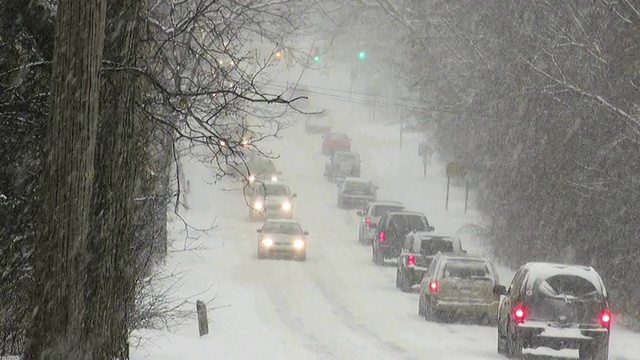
column 519, row 313
column 433, row 286
column 381, row 236
column 367, row 220
column 411, row 260
column 605, row 318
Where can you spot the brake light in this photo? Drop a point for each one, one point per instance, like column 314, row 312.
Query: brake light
column 519, row 313
column 605, row 318
column 433, row 286
column 411, row 260
column 381, row 236
column 367, row 220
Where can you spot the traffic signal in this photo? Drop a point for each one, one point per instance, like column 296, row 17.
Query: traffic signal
column 362, row 55
column 316, row 58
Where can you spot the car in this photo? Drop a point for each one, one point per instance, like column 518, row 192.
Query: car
column 317, row 125
column 418, row 250
column 342, row 164
column 459, row 285
column 256, row 169
column 356, row 192
column 282, row 237
column 372, row 214
column 332, row 142
column 392, row 230
column 271, row 199
column 556, row 306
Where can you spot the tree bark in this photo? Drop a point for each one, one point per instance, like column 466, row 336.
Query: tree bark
column 60, row 252
column 112, row 271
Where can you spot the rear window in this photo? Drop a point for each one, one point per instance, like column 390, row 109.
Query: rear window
column 433, row 246
column 346, row 156
column 356, row 185
column 409, row 222
column 568, row 287
column 380, row 210
column 466, row 269
column 339, row 137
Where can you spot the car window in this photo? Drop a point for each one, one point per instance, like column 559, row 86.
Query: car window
column 467, row 269
column 432, row 266
column 273, row 190
column 356, row 185
column 435, row 245
column 380, row 210
column 516, row 283
column 567, row 287
column 282, row 228
column 262, row 167
column 346, row 156
column 410, row 222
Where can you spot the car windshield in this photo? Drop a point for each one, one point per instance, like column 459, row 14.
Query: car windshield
column 282, row 228
column 380, row 210
column 262, row 167
column 409, row 222
column 568, row 287
column 435, row 245
column 356, row 185
column 342, row 156
column 467, row 269
column 272, row 190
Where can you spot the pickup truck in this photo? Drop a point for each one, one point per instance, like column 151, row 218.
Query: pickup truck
column 418, row 250
column 356, row 192
column 341, row 165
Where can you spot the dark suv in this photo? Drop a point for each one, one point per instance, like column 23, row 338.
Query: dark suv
column 392, row 230
column 556, row 306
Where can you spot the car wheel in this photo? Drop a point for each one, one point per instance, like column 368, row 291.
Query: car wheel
column 260, row 254
column 397, row 278
column 378, row 258
column 302, row 257
column 501, row 342
column 514, row 344
column 429, row 314
column 420, row 306
column 404, row 283
column 597, row 350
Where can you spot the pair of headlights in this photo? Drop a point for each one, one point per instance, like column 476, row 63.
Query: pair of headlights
column 297, row 244
column 253, row 178
column 286, row 206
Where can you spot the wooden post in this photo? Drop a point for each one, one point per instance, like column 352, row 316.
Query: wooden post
column 203, row 322
column 446, row 204
column 466, row 196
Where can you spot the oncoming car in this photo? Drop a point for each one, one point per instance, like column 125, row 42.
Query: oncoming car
column 271, row 199
column 282, row 237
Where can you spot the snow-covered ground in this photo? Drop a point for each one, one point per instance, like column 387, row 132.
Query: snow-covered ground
column 337, row 304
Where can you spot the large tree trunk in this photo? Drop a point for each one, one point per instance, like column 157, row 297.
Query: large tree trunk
column 60, row 254
column 112, row 272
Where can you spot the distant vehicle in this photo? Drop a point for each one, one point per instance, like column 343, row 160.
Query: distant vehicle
column 459, row 285
column 418, row 250
column 271, row 199
column 372, row 214
column 392, row 230
column 356, row 192
column 282, row 237
column 317, row 125
column 341, row 165
column 256, row 168
column 335, row 142
column 556, row 306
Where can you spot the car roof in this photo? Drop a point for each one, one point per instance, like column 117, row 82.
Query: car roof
column 463, row 256
column 426, row 234
column 337, row 134
column 386, row 203
column 405, row 212
column 356, row 179
column 545, row 270
column 286, row 221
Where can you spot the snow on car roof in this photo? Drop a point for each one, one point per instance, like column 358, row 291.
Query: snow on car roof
column 542, row 270
column 355, row 179
column 406, row 212
column 426, row 234
column 462, row 256
column 386, row 202
column 287, row 221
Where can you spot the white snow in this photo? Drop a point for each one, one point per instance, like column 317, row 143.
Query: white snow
column 337, row 304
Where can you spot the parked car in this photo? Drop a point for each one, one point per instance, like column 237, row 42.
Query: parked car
column 392, row 230
column 342, row 164
column 271, row 199
column 317, row 125
column 556, row 306
column 372, row 214
column 459, row 285
column 418, row 250
column 356, row 192
column 335, row 142
column 282, row 237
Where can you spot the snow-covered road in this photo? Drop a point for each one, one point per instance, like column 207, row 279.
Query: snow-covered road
column 337, row 304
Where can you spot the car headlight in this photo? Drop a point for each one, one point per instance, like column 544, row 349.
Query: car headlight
column 252, row 178
column 267, row 242
column 274, row 178
column 286, row 206
column 258, row 205
column 299, row 244
column 245, row 142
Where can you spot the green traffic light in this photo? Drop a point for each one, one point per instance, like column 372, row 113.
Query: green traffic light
column 316, row 58
column 362, row 55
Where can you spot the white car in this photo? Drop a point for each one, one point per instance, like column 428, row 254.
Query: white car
column 282, row 237
column 271, row 199
column 372, row 214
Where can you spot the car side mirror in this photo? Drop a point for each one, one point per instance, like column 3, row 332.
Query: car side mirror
column 360, row 213
column 294, row 195
column 431, row 229
column 259, row 230
column 305, row 233
column 499, row 290
column 373, row 226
